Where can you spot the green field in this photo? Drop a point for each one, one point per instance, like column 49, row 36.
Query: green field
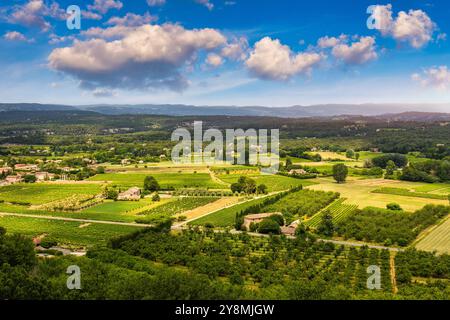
column 65, row 233
column 407, row 193
column 302, row 203
column 360, row 193
column 41, row 193
column 118, row 211
column 437, row 240
column 172, row 208
column 226, row 217
column 337, row 209
column 165, row 180
column 273, row 182
column 435, row 188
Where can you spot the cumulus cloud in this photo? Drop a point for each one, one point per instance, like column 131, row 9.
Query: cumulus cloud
column 34, row 13
column 330, row 42
column 14, row 36
column 236, row 49
column 132, row 20
column 154, row 3
column 414, row 27
column 103, row 6
column 271, row 60
column 149, row 56
column 435, row 77
column 214, row 60
column 358, row 52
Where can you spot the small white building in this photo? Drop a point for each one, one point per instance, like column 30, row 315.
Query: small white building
column 44, row 176
column 132, row 194
column 13, row 179
column 257, row 218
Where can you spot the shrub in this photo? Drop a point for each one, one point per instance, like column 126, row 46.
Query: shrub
column 394, row 207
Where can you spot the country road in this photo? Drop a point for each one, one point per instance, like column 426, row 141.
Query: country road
column 37, row 216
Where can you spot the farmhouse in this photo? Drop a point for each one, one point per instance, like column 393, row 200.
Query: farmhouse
column 26, row 167
column 13, row 179
column 131, row 194
column 257, row 218
column 44, row 176
column 290, row 229
column 5, row 170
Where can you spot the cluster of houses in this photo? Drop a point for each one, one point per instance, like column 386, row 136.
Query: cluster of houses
column 257, row 218
column 17, row 174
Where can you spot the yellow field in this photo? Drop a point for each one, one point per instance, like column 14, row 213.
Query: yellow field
column 438, row 239
column 359, row 192
column 210, row 207
column 328, row 155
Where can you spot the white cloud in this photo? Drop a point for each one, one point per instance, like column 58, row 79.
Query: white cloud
column 271, row 60
column 34, row 13
column 214, row 60
column 90, row 15
column 206, row 3
column 103, row 6
column 132, row 20
column 55, row 39
column 154, row 3
column 236, row 50
column 435, row 77
column 413, row 27
column 358, row 52
column 14, row 36
column 114, row 32
column 330, row 42
column 103, row 93
column 441, row 37
column 149, row 56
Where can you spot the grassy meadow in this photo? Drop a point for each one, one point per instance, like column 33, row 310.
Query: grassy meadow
column 166, row 180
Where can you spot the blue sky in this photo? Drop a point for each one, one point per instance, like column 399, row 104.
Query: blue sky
column 225, row 52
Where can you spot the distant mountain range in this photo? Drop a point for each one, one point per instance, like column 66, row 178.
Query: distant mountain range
column 405, row 112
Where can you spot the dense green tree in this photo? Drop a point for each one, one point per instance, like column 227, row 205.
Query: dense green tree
column 350, row 153
column 400, row 160
column 340, row 172
column 390, row 168
column 29, row 178
column 262, row 189
column 151, row 184
column 326, row 225
column 394, row 207
column 269, row 226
